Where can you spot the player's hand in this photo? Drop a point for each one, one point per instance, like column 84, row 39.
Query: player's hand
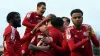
column 47, row 18
column 44, row 30
column 44, row 48
column 87, row 38
column 48, row 40
column 34, row 29
column 88, row 32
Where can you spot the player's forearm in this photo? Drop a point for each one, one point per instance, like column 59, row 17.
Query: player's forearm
column 26, row 37
column 95, row 41
column 33, row 47
column 28, row 24
column 57, row 48
column 73, row 47
column 39, row 24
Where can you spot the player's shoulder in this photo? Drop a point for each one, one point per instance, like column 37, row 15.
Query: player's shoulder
column 9, row 27
column 67, row 32
column 53, row 30
column 8, row 30
column 69, row 28
column 86, row 25
column 29, row 14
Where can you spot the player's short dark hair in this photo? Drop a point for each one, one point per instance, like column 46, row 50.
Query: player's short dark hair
column 41, row 3
column 11, row 15
column 52, row 16
column 76, row 11
column 68, row 20
column 57, row 22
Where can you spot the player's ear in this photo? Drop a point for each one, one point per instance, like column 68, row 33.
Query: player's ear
column 38, row 8
column 10, row 21
column 71, row 18
column 82, row 17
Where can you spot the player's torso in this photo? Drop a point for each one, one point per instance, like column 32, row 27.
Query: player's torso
column 37, row 39
column 11, row 34
column 57, row 39
column 12, row 37
column 53, row 33
column 78, row 36
column 35, row 18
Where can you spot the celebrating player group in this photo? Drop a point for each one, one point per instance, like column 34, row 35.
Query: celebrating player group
column 48, row 35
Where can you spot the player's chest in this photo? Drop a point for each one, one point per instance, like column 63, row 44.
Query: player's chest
column 78, row 35
column 35, row 19
column 40, row 36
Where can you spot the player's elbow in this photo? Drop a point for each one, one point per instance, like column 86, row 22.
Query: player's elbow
column 30, row 46
column 97, row 44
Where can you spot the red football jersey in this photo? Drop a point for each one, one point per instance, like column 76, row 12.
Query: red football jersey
column 11, row 43
column 77, row 42
column 57, row 38
column 64, row 49
column 37, row 41
column 30, row 21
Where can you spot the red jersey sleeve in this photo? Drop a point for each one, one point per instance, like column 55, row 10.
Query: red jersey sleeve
column 57, row 37
column 27, row 19
column 70, row 39
column 63, row 49
column 57, row 45
column 94, row 39
column 65, row 43
column 26, row 37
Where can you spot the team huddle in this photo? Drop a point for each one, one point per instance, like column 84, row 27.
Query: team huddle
column 48, row 36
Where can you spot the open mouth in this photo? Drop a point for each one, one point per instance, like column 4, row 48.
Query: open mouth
column 42, row 12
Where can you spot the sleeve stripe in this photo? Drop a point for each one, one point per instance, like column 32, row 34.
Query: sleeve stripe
column 13, row 34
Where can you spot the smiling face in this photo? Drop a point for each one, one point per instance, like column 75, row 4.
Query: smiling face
column 66, row 21
column 77, row 19
column 41, row 9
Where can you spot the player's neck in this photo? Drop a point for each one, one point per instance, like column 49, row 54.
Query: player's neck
column 78, row 27
column 38, row 12
column 12, row 25
column 49, row 24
